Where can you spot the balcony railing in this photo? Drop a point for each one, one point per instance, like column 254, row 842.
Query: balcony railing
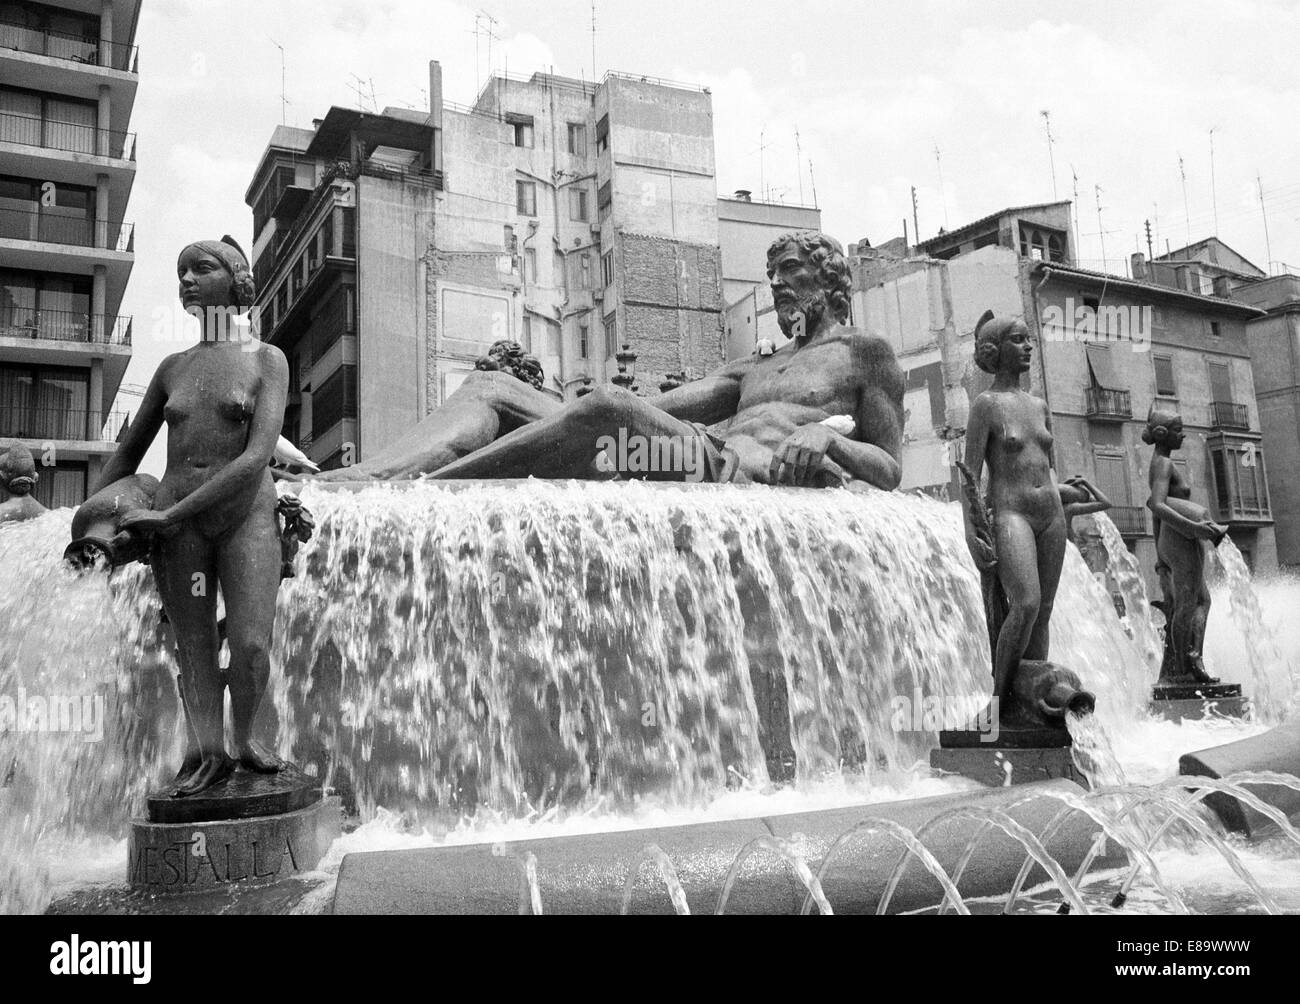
column 75, row 424
column 78, row 231
column 1130, row 520
column 71, row 137
column 1110, row 405
column 1230, row 415
column 62, row 45
column 65, row 326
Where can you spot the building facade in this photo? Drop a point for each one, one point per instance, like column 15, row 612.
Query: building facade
column 1109, row 350
column 68, row 77
column 391, row 250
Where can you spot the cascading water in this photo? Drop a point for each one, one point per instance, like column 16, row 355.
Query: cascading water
column 513, row 648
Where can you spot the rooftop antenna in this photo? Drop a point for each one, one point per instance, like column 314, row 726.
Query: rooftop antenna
column 374, row 102
column 1074, row 210
column 593, row 41
column 798, row 162
column 812, row 179
column 1214, row 196
column 916, row 222
column 1187, row 215
column 284, row 95
column 943, row 194
column 1155, row 215
column 762, row 183
column 482, row 17
column 1101, row 230
column 1051, row 158
column 359, row 88
column 1268, row 248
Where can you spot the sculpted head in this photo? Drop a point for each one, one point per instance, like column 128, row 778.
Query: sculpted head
column 1164, row 428
column 214, row 274
column 1003, row 345
column 510, row 357
column 810, row 281
column 18, row 470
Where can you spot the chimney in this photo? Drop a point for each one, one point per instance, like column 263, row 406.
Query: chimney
column 1183, row 277
column 435, row 112
column 1138, row 265
column 1222, row 286
column 316, row 123
column 744, row 195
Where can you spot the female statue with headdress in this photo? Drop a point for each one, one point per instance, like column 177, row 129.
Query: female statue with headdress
column 1184, row 534
column 213, row 522
column 1019, row 547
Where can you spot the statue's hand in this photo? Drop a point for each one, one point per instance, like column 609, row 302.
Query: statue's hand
column 798, row 460
column 147, row 523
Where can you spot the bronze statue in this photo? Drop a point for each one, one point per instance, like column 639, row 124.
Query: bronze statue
column 1184, row 535
column 760, row 419
column 213, row 522
column 17, row 479
column 1080, row 497
column 1023, row 537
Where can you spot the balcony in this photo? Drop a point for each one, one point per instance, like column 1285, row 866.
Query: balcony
column 1130, row 520
column 74, row 48
column 68, row 137
column 1108, row 405
column 75, row 231
column 71, row 424
column 66, row 326
column 1230, row 415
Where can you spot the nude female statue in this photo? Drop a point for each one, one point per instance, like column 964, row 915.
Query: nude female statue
column 1184, row 533
column 1010, row 430
column 214, row 517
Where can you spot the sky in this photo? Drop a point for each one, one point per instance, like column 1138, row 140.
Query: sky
column 873, row 89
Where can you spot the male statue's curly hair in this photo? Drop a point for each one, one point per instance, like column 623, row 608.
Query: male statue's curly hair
column 511, row 358
column 827, row 255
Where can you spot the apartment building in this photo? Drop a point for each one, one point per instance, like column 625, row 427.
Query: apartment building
column 1110, row 348
column 68, row 77
column 391, row 249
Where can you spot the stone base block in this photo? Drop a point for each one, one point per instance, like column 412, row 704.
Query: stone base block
column 1001, row 767
column 1177, row 702
column 175, row 858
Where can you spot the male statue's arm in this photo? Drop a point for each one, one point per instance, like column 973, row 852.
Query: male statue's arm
column 877, row 457
column 709, row 400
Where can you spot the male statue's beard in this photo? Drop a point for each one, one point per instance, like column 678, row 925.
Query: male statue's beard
column 812, row 308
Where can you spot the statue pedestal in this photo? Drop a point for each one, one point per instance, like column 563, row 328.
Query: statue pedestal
column 1017, row 756
column 251, row 829
column 1179, row 701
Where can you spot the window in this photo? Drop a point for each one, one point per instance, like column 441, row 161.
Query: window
column 1214, row 330
column 527, row 340
column 577, row 139
column 607, row 269
column 46, row 305
column 281, row 302
column 1112, row 478
column 526, row 198
column 1220, row 382
column 45, row 211
column 1240, row 482
column 334, row 400
column 45, row 403
column 530, row 265
column 602, row 134
column 349, row 232
column 524, row 134
column 611, row 334
column 1055, row 248
column 604, row 199
column 578, row 205
column 585, row 277
column 1165, row 386
column 582, row 341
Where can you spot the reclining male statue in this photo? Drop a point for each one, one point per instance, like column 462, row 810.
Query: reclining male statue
column 824, row 409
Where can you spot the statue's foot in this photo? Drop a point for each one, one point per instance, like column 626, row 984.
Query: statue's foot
column 255, row 757
column 188, row 766
column 212, row 769
column 1197, row 671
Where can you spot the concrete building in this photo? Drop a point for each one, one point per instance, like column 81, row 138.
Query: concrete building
column 68, row 78
column 746, row 230
column 1109, row 349
column 392, row 249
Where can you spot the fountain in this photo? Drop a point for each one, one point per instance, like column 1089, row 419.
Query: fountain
column 550, row 696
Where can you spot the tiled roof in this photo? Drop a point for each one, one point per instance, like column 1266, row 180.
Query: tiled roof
column 1105, row 278
column 948, row 235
